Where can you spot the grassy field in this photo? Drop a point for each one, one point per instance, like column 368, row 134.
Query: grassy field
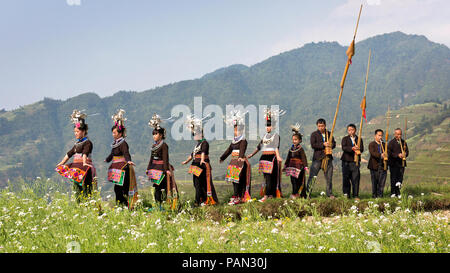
column 41, row 215
column 37, row 217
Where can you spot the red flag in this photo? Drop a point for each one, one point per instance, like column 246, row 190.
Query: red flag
column 363, row 108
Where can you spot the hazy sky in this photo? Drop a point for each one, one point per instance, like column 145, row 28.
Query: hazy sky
column 62, row 48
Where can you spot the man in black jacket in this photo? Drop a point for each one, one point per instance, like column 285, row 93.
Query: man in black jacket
column 318, row 143
column 396, row 155
column 375, row 165
column 350, row 171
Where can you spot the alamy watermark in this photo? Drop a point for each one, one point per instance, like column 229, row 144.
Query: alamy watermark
column 214, row 127
column 73, row 247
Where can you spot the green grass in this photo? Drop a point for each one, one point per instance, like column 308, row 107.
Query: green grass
column 37, row 217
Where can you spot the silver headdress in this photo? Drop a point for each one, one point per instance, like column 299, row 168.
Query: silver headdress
column 235, row 118
column 119, row 119
column 78, row 118
column 155, row 121
column 270, row 116
column 296, row 129
column 194, row 124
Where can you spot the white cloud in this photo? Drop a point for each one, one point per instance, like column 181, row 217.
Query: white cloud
column 425, row 17
column 373, row 2
column 73, row 2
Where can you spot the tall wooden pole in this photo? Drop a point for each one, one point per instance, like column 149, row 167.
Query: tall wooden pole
column 404, row 145
column 387, row 137
column 350, row 52
column 358, row 152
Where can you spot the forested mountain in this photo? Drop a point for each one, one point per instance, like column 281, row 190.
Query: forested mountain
column 405, row 70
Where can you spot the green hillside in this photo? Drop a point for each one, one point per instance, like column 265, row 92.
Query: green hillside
column 405, row 70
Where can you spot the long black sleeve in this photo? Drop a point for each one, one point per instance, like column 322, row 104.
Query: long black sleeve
column 124, row 149
column 109, row 157
column 226, row 153
column 71, row 152
column 288, row 158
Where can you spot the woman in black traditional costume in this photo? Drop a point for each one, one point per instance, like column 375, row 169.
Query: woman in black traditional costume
column 159, row 170
column 81, row 171
column 296, row 164
column 239, row 170
column 121, row 171
column 205, row 194
column 270, row 160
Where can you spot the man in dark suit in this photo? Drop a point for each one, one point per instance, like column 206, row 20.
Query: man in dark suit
column 350, row 171
column 396, row 155
column 377, row 173
column 319, row 143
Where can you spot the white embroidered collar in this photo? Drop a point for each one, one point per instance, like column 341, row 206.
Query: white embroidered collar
column 197, row 147
column 266, row 140
column 237, row 139
column 156, row 147
column 117, row 142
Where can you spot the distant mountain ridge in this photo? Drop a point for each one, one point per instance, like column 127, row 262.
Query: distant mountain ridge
column 405, row 70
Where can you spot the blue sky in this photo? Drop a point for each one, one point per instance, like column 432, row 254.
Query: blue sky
column 62, row 48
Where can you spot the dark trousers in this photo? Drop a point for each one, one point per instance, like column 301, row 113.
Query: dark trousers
column 271, row 180
column 378, row 178
column 158, row 190
column 239, row 188
column 396, row 176
column 314, row 170
column 84, row 191
column 200, row 188
column 297, row 183
column 122, row 191
column 350, row 178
